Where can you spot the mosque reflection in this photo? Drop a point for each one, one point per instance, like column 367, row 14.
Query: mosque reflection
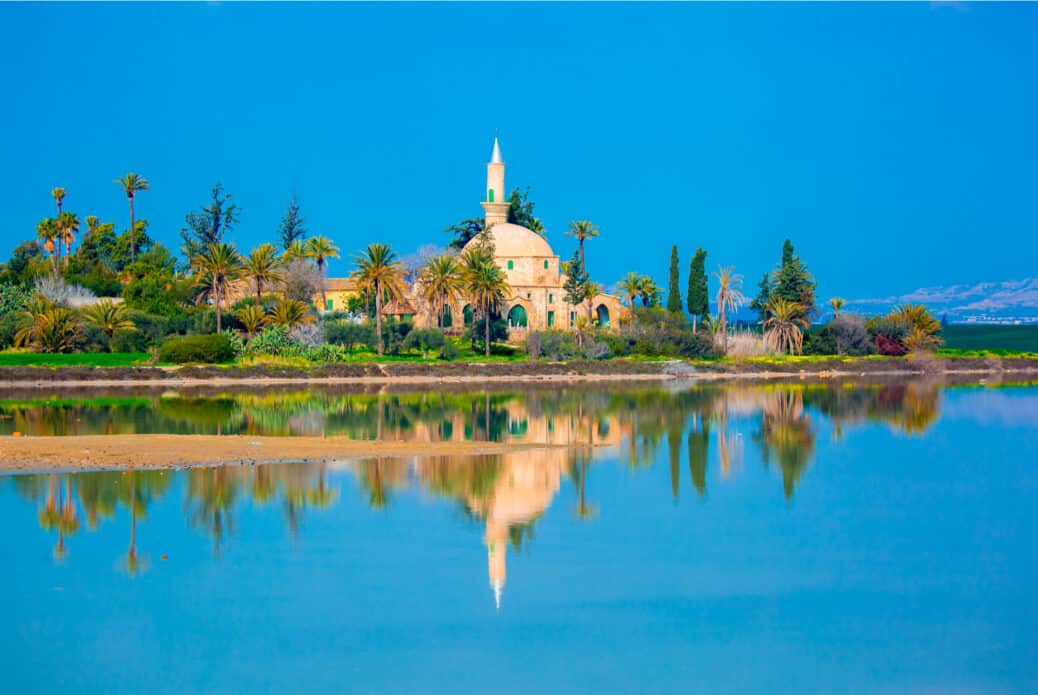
column 571, row 432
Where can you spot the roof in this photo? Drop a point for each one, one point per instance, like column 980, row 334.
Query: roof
column 342, row 284
column 495, row 156
column 514, row 241
column 398, row 307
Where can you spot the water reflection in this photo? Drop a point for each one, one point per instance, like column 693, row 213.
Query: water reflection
column 507, row 493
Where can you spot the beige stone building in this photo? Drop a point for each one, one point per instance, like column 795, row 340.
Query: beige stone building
column 534, row 273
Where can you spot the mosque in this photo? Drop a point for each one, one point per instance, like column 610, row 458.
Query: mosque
column 533, row 271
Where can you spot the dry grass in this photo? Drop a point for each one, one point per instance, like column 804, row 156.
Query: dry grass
column 747, row 344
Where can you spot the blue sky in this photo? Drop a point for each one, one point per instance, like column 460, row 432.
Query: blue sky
column 895, row 144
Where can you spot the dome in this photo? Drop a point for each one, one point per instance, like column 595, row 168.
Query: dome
column 514, row 241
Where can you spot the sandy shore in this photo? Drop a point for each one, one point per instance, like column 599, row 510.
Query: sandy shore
column 156, row 451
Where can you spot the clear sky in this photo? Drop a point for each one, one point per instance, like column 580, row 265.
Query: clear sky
column 895, row 144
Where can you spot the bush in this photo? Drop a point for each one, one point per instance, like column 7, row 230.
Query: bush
column 846, row 335
column 449, row 351
column 393, row 335
column 666, row 343
column 8, row 327
column 349, row 334
column 272, row 340
column 424, row 339
column 208, row 349
column 888, row 335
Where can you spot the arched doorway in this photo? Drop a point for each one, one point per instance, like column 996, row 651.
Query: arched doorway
column 448, row 317
column 517, row 317
column 466, row 314
column 603, row 315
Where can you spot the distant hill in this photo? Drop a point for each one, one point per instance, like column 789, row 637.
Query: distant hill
column 1012, row 301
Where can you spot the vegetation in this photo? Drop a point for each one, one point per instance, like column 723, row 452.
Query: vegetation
column 82, row 286
column 207, row 349
column 698, row 290
column 673, row 285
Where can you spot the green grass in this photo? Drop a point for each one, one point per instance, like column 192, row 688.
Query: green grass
column 79, row 359
column 991, row 338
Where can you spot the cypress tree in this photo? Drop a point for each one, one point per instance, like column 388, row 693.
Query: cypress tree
column 698, row 292
column 760, row 302
column 576, row 284
column 673, row 291
column 792, row 281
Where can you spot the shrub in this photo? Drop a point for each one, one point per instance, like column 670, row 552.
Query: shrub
column 157, row 294
column 8, row 327
column 209, row 349
column 349, row 334
column 63, row 294
column 846, row 335
column 306, row 334
column 272, row 340
column 888, row 334
column 393, row 335
column 449, row 351
column 424, row 339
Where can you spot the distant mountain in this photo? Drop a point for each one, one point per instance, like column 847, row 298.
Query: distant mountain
column 1012, row 301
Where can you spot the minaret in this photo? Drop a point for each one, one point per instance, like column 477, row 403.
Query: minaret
column 497, row 547
column 495, row 202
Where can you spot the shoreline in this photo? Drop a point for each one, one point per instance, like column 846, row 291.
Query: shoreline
column 526, row 372
column 99, row 452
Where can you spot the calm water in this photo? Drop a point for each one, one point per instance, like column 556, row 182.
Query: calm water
column 780, row 539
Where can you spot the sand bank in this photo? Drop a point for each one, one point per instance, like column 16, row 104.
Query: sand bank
column 156, row 451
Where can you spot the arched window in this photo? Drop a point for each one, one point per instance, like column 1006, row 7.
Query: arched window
column 448, row 319
column 603, row 315
column 466, row 314
column 517, row 317
column 490, row 195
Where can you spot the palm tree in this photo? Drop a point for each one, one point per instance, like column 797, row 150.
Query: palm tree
column 68, row 223
column 837, row 304
column 785, row 325
column 729, row 298
column 441, row 284
column 631, row 285
column 294, row 251
column 591, row 289
column 379, row 272
column 487, row 287
column 923, row 327
column 47, row 232
column 252, row 317
column 59, row 197
column 263, row 265
column 109, row 317
column 649, row 290
column 132, row 183
column 582, row 230
column 218, row 267
column 321, row 248
column 46, row 327
column 289, row 313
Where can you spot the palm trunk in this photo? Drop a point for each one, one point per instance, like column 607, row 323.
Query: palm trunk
column 583, row 265
column 695, row 318
column 218, row 292
column 486, row 331
column 378, row 318
column 259, row 292
column 724, row 330
column 133, row 246
column 324, row 297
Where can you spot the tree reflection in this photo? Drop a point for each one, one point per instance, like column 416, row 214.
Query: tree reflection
column 569, row 430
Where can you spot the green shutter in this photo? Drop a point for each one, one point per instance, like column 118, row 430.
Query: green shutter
column 511, row 265
column 551, row 319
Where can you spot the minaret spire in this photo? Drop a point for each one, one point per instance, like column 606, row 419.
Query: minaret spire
column 495, row 203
